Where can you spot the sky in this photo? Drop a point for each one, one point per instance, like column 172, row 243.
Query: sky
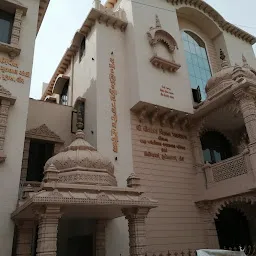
column 63, row 18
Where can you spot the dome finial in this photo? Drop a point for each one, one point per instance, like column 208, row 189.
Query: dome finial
column 158, row 23
column 224, row 63
column 80, row 125
column 245, row 63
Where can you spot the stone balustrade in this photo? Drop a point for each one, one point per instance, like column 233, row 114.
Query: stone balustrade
column 227, row 169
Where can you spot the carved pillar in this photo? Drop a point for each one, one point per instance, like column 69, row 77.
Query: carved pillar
column 248, row 110
column 47, row 231
column 211, row 236
column 194, row 136
column 100, row 238
column 137, row 233
column 24, row 166
column 4, row 110
column 15, row 37
column 25, row 237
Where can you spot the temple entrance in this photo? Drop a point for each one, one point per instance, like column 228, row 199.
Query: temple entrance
column 80, row 246
column 76, row 237
column 232, row 228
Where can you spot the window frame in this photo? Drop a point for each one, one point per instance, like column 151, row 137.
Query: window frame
column 10, row 18
column 188, row 31
column 82, row 49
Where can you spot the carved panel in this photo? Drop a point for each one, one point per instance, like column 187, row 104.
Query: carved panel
column 158, row 35
column 44, row 133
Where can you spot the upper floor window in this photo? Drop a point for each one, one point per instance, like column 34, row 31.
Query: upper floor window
column 215, row 147
column 6, row 22
column 64, row 94
column 197, row 61
column 39, row 153
column 82, row 49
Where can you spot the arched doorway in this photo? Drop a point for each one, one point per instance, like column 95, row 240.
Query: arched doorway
column 232, row 228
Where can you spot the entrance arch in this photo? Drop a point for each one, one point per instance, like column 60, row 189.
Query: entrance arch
column 232, row 228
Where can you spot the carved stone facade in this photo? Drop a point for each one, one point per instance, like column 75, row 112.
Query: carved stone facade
column 100, row 238
column 137, row 230
column 158, row 35
column 48, row 231
column 7, row 100
column 25, row 235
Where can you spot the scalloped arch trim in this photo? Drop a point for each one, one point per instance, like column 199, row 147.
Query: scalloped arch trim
column 210, row 12
column 220, row 205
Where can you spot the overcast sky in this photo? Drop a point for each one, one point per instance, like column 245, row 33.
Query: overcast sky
column 64, row 17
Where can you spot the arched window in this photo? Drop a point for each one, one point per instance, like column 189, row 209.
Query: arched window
column 197, row 61
column 215, row 147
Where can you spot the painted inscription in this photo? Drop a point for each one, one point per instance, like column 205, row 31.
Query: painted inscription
column 9, row 71
column 113, row 94
column 166, row 92
column 163, row 142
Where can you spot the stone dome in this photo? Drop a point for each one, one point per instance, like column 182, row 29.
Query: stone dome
column 80, row 163
column 226, row 76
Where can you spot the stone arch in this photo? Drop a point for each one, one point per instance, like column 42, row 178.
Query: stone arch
column 219, row 205
column 162, row 36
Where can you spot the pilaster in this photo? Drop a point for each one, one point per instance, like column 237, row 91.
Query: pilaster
column 47, row 231
column 15, row 37
column 100, row 238
column 246, row 101
column 210, row 236
column 25, row 236
column 137, row 233
column 4, row 110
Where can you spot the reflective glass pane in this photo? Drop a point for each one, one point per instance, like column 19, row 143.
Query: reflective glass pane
column 197, row 60
column 5, row 28
column 207, row 156
column 191, row 69
column 217, row 156
column 193, row 82
column 188, row 57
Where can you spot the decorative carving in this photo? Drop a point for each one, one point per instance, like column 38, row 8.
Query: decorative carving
column 47, row 231
column 4, row 91
column 113, row 98
column 137, row 233
column 100, row 238
column 142, row 114
column 133, row 181
column 158, row 35
column 44, row 133
column 165, row 117
column 154, row 115
column 229, row 168
column 25, row 235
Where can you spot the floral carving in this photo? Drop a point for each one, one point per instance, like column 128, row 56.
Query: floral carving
column 43, row 132
column 158, row 35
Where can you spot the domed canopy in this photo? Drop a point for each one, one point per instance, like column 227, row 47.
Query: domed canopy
column 81, row 163
column 227, row 75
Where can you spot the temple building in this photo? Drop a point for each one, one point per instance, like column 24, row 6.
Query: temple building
column 144, row 140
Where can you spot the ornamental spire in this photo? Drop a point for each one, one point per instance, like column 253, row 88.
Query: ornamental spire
column 158, row 23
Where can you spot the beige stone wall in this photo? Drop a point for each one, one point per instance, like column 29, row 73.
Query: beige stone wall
column 212, row 55
column 56, row 117
column 175, row 224
column 10, row 170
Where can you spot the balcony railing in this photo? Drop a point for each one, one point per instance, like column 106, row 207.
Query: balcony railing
column 227, row 169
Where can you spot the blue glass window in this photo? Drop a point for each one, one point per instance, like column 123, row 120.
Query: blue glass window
column 197, row 61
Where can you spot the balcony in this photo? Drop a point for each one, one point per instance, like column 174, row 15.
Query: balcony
column 228, row 177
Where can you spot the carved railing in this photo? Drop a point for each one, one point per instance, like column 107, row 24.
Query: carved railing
column 227, row 169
